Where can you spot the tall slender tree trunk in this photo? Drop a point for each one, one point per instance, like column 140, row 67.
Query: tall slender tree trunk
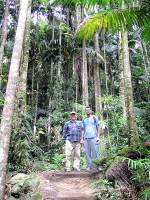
column 146, row 65
column 75, row 58
column 122, row 83
column 3, row 38
column 50, row 85
column 22, row 89
column 105, row 65
column 8, row 109
column 36, row 109
column 60, row 53
column 132, row 126
column 32, row 87
column 97, row 84
column 85, row 94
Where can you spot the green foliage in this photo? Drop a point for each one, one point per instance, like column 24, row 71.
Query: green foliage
column 101, row 182
column 59, row 117
column 21, row 145
column 26, row 153
column 91, row 2
column 110, row 20
column 145, row 32
column 109, row 193
column 115, row 121
column 140, row 169
column 43, row 165
column 37, row 196
column 145, row 195
column 58, row 160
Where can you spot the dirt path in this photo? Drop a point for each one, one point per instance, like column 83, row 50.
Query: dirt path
column 59, row 185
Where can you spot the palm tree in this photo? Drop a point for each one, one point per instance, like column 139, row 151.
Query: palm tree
column 8, row 109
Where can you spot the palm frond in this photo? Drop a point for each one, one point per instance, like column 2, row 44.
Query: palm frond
column 110, row 20
column 94, row 2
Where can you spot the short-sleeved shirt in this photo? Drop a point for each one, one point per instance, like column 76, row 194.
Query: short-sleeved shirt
column 89, row 126
column 72, row 131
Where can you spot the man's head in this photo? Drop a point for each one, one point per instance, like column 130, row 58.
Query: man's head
column 73, row 116
column 88, row 110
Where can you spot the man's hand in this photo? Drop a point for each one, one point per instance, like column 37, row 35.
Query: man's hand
column 81, row 141
column 97, row 139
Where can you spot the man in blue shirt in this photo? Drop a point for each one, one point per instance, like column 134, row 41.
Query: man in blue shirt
column 90, row 137
column 72, row 135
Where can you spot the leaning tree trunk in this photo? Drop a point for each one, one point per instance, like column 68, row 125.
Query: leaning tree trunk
column 3, row 37
column 132, row 126
column 97, row 86
column 22, row 89
column 8, row 109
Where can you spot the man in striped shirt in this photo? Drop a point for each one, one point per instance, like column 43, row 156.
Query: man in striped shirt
column 72, row 135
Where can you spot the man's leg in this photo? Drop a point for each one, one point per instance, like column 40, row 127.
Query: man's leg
column 88, row 152
column 94, row 149
column 68, row 152
column 76, row 164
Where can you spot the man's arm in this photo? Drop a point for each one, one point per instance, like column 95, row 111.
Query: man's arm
column 82, row 132
column 81, row 138
column 98, row 130
column 65, row 131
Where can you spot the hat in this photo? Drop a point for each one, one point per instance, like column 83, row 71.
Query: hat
column 73, row 112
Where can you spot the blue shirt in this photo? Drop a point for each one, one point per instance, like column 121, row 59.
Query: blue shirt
column 89, row 126
column 72, row 131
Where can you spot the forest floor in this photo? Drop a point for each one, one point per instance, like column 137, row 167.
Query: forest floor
column 60, row 185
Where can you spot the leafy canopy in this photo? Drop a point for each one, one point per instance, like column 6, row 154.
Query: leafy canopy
column 112, row 19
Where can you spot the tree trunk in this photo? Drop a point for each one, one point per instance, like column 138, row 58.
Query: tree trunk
column 50, row 83
column 85, row 94
column 146, row 65
column 122, row 83
column 3, row 38
column 60, row 54
column 8, row 109
column 24, row 64
column 36, row 109
column 105, row 65
column 132, row 126
column 98, row 103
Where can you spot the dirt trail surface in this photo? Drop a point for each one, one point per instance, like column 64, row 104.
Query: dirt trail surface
column 59, row 185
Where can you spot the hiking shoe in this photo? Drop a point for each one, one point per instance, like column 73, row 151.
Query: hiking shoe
column 78, row 170
column 88, row 169
column 68, row 170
